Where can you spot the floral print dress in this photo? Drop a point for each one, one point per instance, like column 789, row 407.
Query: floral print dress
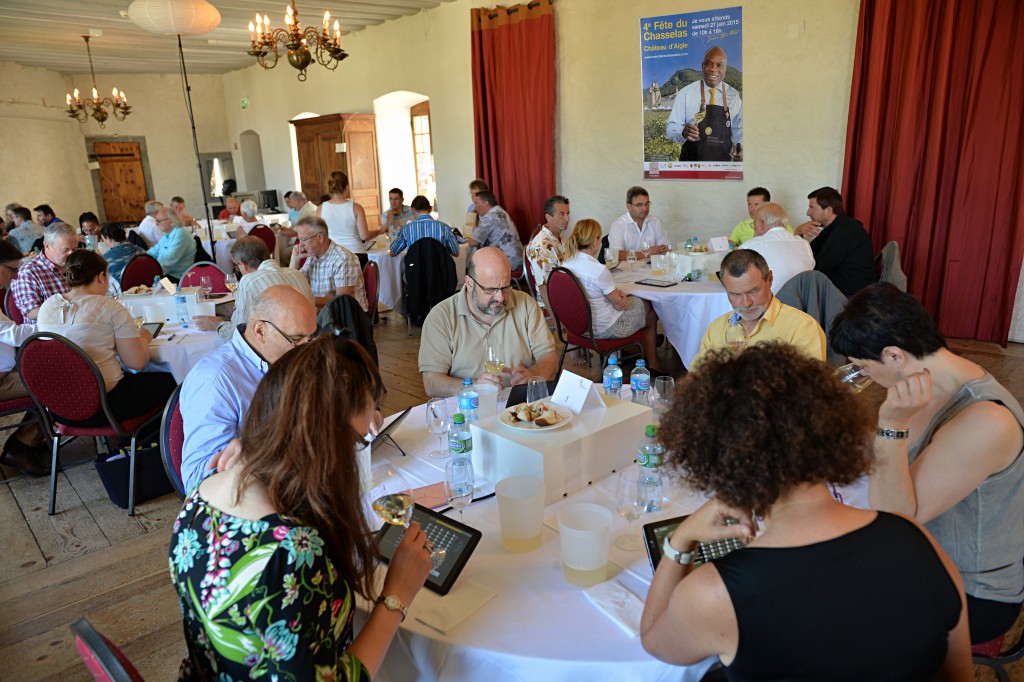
column 260, row 599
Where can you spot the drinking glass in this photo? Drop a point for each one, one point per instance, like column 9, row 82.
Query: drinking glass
column 439, row 422
column 493, row 358
column 206, row 284
column 611, row 258
column 458, row 483
column 631, row 259
column 631, row 503
column 231, row 282
column 736, row 337
column 646, row 248
column 852, row 375
column 664, row 387
column 536, row 390
column 392, row 500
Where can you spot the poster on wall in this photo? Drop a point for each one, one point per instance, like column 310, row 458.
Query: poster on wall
column 691, row 68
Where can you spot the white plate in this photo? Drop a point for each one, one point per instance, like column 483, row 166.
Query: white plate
column 505, row 418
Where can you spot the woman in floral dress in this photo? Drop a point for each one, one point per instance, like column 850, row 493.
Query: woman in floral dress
column 268, row 556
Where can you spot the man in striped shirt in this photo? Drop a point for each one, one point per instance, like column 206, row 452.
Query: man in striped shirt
column 424, row 226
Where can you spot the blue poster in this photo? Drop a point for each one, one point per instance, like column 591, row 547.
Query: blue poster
column 691, row 69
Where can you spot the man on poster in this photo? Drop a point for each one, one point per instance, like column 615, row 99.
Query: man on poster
column 707, row 115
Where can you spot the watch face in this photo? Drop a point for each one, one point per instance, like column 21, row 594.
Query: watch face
column 392, row 602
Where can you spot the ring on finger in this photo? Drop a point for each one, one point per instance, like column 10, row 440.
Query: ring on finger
column 428, row 545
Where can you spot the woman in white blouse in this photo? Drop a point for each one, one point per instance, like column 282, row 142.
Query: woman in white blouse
column 105, row 330
column 346, row 220
column 615, row 315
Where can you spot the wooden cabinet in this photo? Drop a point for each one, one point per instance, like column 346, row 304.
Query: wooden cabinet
column 318, row 141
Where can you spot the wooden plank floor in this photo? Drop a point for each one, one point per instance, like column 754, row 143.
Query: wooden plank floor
column 92, row 560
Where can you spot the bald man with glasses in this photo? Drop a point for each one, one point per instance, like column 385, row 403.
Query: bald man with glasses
column 486, row 309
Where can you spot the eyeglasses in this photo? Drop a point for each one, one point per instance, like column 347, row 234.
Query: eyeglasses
column 491, row 291
column 301, row 338
column 163, row 220
column 306, row 239
column 646, row 204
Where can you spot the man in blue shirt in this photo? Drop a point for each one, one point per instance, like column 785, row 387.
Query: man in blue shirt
column 424, row 226
column 45, row 216
column 176, row 250
column 216, row 394
column 398, row 214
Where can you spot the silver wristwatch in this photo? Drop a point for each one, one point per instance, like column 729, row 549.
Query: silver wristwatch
column 672, row 554
column 393, row 603
column 893, row 434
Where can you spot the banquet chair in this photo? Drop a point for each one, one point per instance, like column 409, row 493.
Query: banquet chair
column 991, row 654
column 193, row 275
column 172, row 442
column 815, row 294
column 66, row 385
column 265, row 234
column 574, row 320
column 140, row 270
column 104, row 660
column 11, row 308
column 371, row 280
column 428, row 277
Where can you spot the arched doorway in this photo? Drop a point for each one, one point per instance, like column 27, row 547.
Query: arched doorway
column 396, row 144
column 252, row 161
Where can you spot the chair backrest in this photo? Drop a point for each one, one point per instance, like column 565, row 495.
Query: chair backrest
column 569, row 303
column 429, row 277
column 604, row 245
column 371, row 280
column 11, row 308
column 891, row 270
column 136, row 238
column 103, row 659
column 140, row 270
column 266, row 235
column 202, row 255
column 815, row 294
column 172, row 442
column 193, row 276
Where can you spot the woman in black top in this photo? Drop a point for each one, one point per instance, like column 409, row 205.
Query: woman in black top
column 826, row 591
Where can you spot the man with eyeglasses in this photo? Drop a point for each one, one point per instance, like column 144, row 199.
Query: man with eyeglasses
column 216, row 394
column 41, row 277
column 332, row 270
column 176, row 250
column 629, row 232
column 486, row 309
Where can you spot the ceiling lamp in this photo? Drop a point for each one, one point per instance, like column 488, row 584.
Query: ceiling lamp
column 96, row 107
column 301, row 44
column 175, row 17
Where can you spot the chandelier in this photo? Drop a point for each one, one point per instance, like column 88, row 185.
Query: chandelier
column 96, row 107
column 302, row 44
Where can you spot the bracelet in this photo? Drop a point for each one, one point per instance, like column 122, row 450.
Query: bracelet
column 893, row 434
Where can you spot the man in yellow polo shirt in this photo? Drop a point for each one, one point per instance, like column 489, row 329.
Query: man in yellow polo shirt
column 748, row 282
column 487, row 309
column 744, row 229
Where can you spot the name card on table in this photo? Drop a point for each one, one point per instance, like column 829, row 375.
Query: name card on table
column 574, row 392
column 718, row 244
column 168, row 285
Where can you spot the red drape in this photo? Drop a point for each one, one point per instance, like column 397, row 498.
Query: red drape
column 514, row 106
column 935, row 152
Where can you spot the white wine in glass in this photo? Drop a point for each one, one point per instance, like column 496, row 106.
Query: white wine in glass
column 231, row 282
column 395, row 508
column 737, row 338
column 392, row 500
column 493, row 359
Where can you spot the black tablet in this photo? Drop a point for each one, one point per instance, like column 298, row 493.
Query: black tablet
column 657, row 282
column 656, row 532
column 518, row 393
column 153, row 328
column 386, row 432
column 457, row 539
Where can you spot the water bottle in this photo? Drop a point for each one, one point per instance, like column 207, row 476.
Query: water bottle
column 460, row 441
column 640, row 383
column 469, row 400
column 181, row 306
column 689, row 245
column 156, row 283
column 612, row 377
column 650, row 456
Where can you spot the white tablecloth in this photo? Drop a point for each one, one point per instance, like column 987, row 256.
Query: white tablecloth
column 391, row 273
column 180, row 354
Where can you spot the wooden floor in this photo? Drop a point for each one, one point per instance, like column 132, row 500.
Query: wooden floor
column 92, row 560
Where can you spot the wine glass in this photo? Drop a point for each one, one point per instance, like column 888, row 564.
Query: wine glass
column 231, row 282
column 646, row 248
column 631, row 503
column 536, row 390
column 611, row 258
column 493, row 358
column 392, row 500
column 439, row 422
column 458, row 483
column 664, row 387
column 736, row 337
column 206, row 284
column 631, row 259
column 852, row 375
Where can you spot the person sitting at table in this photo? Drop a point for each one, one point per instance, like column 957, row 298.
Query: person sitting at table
column 629, row 232
column 117, row 249
column 744, row 229
column 787, row 255
column 89, row 224
column 826, row 591
column 41, row 277
column 45, row 215
column 216, row 394
column 286, row 531
column 248, row 218
column 948, row 450
column 25, row 232
column 231, row 208
column 842, row 247
column 546, row 251
column 148, row 228
column 106, row 331
column 457, row 329
column 398, row 214
column 496, row 229
column 345, row 219
column 476, row 185
column 176, row 250
column 331, row 269
column 758, row 313
column 423, row 226
column 178, row 213
column 614, row 314
column 299, row 207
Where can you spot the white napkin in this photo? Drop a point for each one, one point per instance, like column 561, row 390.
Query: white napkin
column 619, row 604
column 446, row 613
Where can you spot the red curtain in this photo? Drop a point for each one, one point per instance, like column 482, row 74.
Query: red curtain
column 935, row 152
column 514, row 106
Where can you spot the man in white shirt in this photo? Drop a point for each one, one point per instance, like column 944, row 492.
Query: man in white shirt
column 148, row 228
column 637, row 227
column 707, row 115
column 787, row 254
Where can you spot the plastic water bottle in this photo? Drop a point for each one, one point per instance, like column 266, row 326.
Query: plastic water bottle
column 689, row 245
column 460, row 441
column 650, row 456
column 156, row 283
column 181, row 306
column 469, row 400
column 612, row 377
column 640, row 383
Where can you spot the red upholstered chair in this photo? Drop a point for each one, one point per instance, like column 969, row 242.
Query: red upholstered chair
column 193, row 276
column 371, row 280
column 140, row 270
column 67, row 385
column 3, row 300
column 12, row 309
column 266, row 235
column 574, row 321
column 104, row 660
column 172, row 442
column 991, row 654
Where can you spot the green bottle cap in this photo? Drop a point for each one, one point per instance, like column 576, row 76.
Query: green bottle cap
column 651, row 430
column 459, row 419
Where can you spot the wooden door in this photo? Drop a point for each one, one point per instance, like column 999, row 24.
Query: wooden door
column 316, row 141
column 361, row 153
column 122, row 183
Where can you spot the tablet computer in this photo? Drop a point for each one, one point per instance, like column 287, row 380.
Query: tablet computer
column 153, row 327
column 656, row 532
column 386, row 432
column 657, row 282
column 457, row 540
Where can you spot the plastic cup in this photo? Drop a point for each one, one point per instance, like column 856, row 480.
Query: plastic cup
column 521, row 512
column 488, row 400
column 206, row 309
column 154, row 312
column 585, row 530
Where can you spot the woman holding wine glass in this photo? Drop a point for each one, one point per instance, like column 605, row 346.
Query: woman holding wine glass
column 286, row 537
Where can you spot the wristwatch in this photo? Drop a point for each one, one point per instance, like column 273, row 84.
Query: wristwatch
column 894, row 434
column 393, row 603
column 672, row 554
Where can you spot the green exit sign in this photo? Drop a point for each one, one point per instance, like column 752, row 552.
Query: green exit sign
column 245, row 103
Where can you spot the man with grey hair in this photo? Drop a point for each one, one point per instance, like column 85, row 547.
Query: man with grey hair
column 176, row 249
column 217, row 392
column 331, row 269
column 41, row 277
column 786, row 254
column 148, row 228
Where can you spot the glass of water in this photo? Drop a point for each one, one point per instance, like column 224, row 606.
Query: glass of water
column 852, row 375
column 631, row 503
column 458, row 483
column 631, row 259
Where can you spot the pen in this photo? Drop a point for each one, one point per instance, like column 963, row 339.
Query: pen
column 171, row 337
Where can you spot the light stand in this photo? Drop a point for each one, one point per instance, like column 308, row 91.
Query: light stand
column 195, row 147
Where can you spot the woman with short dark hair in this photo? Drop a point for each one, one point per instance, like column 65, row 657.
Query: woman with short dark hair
column 826, row 591
column 117, row 249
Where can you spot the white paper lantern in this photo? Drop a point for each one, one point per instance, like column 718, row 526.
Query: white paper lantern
column 175, row 17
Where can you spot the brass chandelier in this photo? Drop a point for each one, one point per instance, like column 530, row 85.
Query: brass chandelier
column 302, row 44
column 97, row 108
